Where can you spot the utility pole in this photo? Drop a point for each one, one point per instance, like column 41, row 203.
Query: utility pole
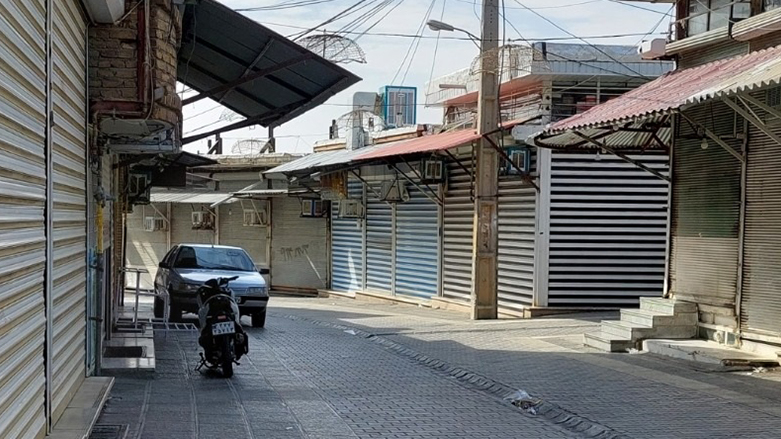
column 486, row 235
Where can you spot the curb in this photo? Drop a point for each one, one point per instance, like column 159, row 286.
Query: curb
column 552, row 412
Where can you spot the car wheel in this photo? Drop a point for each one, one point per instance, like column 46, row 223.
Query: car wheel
column 159, row 308
column 259, row 319
column 175, row 314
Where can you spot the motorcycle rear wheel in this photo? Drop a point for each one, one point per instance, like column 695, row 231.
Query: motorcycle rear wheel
column 227, row 368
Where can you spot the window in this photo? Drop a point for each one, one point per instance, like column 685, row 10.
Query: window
column 772, row 4
column 705, row 15
column 215, row 258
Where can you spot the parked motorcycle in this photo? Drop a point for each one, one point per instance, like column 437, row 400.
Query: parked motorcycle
column 222, row 337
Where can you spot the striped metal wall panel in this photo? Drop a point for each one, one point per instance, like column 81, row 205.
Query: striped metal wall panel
column 608, row 228
column 458, row 224
column 517, row 219
column 379, row 241
column 714, row 52
column 760, row 306
column 706, row 212
column 417, row 244
column 70, row 201
column 22, row 234
column 347, row 245
column 182, row 231
column 298, row 253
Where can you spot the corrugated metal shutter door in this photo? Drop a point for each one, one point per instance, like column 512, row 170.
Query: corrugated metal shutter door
column 517, row 209
column 299, row 250
column 379, row 241
column 761, row 301
column 347, row 246
column 417, row 245
column 70, row 201
column 233, row 231
column 22, row 238
column 608, row 229
column 458, row 225
column 706, row 213
column 144, row 249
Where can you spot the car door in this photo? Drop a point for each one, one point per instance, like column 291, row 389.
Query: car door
column 164, row 270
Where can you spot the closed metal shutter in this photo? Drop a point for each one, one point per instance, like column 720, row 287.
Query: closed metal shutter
column 517, row 218
column 298, row 247
column 233, row 232
column 608, row 229
column 379, row 241
column 706, row 212
column 760, row 299
column 347, row 245
column 458, row 225
column 22, row 179
column 417, row 244
column 70, row 201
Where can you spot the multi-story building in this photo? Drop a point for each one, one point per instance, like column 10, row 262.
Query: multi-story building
column 718, row 114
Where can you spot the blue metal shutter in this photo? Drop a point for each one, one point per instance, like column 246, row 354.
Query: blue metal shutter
column 379, row 241
column 347, row 245
column 608, row 229
column 417, row 245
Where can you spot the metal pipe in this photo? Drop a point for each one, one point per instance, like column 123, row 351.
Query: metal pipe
column 49, row 223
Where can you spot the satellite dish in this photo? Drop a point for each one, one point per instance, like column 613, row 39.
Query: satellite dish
column 334, row 48
column 249, row 146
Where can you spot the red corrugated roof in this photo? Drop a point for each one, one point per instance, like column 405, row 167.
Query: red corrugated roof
column 436, row 142
column 431, row 143
column 682, row 87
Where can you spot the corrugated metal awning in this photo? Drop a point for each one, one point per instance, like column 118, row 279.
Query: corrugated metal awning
column 316, row 161
column 186, row 196
column 666, row 94
column 252, row 191
column 220, row 46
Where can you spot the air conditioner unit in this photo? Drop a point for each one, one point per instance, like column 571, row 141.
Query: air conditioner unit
column 312, row 208
column 202, row 220
column 350, row 209
column 520, row 158
column 153, row 224
column 393, row 191
column 432, row 171
column 652, row 49
column 255, row 218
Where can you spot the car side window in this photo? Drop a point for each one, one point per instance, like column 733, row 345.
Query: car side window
column 168, row 259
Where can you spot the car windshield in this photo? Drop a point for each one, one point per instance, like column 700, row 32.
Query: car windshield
column 214, row 258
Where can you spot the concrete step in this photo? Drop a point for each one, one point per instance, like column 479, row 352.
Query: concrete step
column 607, row 342
column 636, row 332
column 666, row 306
column 704, row 351
column 649, row 318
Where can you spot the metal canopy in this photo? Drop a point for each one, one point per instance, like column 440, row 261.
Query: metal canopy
column 251, row 69
column 186, row 196
column 628, row 120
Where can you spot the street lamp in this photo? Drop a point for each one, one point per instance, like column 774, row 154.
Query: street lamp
column 437, row 26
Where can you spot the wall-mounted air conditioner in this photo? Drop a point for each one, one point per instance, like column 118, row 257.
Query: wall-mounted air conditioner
column 520, row 162
column 255, row 218
column 202, row 220
column 153, row 224
column 350, row 209
column 312, row 208
column 432, row 170
column 139, row 187
column 393, row 191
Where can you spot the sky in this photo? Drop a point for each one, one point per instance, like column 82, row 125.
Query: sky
column 385, row 55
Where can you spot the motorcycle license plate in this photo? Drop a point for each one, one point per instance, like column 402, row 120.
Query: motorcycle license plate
column 223, row 328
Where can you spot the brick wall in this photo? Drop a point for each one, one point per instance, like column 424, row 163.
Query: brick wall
column 114, row 60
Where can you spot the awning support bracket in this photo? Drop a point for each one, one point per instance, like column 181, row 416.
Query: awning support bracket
column 165, row 218
column 406, row 177
column 368, row 186
column 524, row 175
column 420, row 177
column 458, row 162
column 711, row 135
column 753, row 119
column 766, row 108
column 622, row 156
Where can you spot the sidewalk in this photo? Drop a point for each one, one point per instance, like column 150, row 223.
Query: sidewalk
column 639, row 395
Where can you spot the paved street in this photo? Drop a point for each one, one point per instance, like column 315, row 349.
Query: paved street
column 333, row 368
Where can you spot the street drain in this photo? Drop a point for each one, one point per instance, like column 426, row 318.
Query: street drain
column 108, row 432
column 123, row 351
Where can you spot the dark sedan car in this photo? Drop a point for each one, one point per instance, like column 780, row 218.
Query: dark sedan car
column 187, row 266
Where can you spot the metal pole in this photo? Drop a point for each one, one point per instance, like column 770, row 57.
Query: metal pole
column 486, row 237
column 272, row 142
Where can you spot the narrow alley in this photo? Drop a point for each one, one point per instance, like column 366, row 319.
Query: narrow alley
column 331, row 368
